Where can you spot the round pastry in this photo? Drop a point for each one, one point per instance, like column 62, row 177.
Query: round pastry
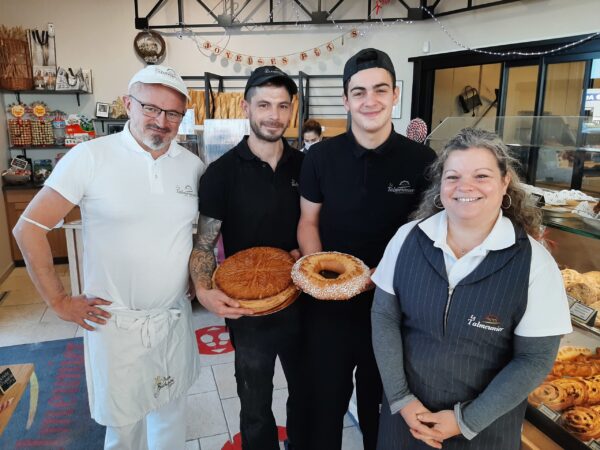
column 582, row 292
column 571, row 276
column 593, row 389
column 353, row 276
column 582, row 422
column 258, row 278
column 553, row 396
column 570, row 352
column 575, row 388
column 271, row 304
column 593, row 278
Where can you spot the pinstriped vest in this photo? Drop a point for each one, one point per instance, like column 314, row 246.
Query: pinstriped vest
column 456, row 342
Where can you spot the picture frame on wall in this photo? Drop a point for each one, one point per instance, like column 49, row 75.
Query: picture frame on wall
column 102, row 110
column 112, row 128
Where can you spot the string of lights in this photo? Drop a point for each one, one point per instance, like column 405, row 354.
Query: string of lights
column 510, row 53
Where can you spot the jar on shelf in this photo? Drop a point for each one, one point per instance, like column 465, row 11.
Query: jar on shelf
column 41, row 125
column 58, row 128
column 19, row 126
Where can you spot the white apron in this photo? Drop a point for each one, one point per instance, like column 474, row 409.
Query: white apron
column 139, row 361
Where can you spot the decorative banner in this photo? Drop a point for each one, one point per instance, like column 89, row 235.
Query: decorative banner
column 282, row 60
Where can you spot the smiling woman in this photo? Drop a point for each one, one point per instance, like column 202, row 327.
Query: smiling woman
column 470, row 302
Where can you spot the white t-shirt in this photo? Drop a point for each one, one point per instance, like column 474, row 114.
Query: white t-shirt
column 547, row 312
column 137, row 216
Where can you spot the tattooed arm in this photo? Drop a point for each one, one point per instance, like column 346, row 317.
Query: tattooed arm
column 202, row 266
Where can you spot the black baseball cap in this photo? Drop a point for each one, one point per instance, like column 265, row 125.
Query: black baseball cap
column 368, row 58
column 262, row 75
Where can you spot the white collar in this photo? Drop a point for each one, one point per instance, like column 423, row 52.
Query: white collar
column 502, row 235
column 132, row 144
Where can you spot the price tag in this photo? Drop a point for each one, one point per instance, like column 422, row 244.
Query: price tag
column 7, row 379
column 549, row 413
column 595, row 445
column 19, row 163
column 537, row 200
column 583, row 313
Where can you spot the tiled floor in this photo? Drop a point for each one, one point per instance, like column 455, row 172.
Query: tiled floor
column 213, row 405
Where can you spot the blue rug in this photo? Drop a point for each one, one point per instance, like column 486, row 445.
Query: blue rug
column 62, row 415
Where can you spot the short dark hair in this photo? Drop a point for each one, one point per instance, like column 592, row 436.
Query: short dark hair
column 312, row 125
column 275, row 83
column 368, row 58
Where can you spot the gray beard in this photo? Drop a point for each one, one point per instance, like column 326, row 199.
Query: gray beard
column 154, row 143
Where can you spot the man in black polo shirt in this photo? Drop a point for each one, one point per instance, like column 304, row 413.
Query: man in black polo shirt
column 250, row 195
column 357, row 189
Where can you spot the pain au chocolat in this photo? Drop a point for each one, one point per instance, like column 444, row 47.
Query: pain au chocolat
column 259, row 278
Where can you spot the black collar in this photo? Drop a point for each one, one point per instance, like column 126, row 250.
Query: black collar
column 244, row 152
column 359, row 151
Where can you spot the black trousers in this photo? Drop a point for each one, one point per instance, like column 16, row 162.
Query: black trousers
column 257, row 342
column 338, row 340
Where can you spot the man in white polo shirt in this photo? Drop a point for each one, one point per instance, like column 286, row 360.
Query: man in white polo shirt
column 137, row 191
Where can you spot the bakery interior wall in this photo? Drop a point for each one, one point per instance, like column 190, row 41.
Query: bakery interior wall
column 98, row 35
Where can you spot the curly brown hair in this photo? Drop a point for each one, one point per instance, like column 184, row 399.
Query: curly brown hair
column 518, row 211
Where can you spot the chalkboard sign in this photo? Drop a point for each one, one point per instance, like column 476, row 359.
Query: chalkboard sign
column 7, row 379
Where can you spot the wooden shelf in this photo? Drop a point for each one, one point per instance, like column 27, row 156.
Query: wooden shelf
column 42, row 92
column 39, row 147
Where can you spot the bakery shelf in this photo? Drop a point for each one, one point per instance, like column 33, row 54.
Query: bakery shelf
column 39, row 147
column 582, row 336
column 553, row 430
column 76, row 93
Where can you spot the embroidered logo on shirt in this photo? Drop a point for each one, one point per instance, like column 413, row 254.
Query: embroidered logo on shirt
column 489, row 322
column 162, row 382
column 402, row 188
column 186, row 190
column 294, row 183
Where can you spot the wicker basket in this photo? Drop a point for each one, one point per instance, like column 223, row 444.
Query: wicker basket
column 15, row 65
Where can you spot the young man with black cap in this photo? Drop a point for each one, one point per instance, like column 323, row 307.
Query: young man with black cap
column 250, row 195
column 357, row 189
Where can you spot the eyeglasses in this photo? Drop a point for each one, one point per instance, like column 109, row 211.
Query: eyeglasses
column 155, row 111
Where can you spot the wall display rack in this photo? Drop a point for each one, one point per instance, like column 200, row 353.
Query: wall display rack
column 40, row 92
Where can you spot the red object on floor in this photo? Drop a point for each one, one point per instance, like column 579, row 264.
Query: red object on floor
column 213, row 340
column 237, row 439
